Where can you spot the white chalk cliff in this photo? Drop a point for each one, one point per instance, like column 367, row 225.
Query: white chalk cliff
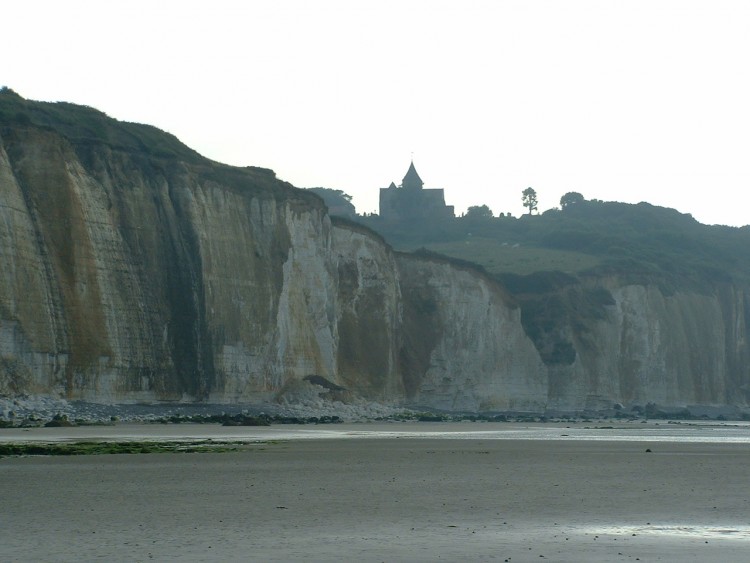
column 132, row 276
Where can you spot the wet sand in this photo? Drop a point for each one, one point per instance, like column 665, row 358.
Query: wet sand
column 390, row 499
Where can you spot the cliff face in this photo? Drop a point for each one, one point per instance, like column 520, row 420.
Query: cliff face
column 100, row 278
column 679, row 349
column 128, row 276
column 464, row 346
column 131, row 278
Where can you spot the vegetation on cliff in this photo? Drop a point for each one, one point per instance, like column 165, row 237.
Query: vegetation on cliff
column 558, row 265
column 639, row 243
column 87, row 129
column 83, row 124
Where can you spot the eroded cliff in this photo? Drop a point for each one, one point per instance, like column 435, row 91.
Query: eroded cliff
column 685, row 348
column 136, row 274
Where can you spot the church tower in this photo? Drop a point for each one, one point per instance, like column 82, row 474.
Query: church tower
column 412, row 181
column 411, row 204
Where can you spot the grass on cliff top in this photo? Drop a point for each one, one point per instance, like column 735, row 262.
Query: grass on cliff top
column 87, row 127
column 640, row 243
column 84, row 124
column 498, row 258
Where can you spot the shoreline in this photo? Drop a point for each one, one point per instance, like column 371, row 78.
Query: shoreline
column 395, row 498
column 736, row 432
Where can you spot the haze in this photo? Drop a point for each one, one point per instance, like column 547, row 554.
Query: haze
column 627, row 101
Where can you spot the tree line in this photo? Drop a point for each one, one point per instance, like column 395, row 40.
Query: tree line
column 530, row 201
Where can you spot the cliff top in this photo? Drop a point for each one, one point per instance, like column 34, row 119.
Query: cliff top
column 642, row 243
column 83, row 124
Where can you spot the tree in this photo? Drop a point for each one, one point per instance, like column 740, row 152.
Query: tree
column 530, row 200
column 479, row 212
column 337, row 201
column 571, row 198
column 5, row 91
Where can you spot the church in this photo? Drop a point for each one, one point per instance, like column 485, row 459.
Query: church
column 411, row 202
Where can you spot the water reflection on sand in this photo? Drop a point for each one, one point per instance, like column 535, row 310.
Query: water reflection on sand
column 693, row 432
column 731, row 532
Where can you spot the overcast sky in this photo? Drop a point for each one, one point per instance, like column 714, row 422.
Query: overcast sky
column 618, row 100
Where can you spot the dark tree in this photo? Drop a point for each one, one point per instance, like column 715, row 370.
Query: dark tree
column 338, row 202
column 571, row 198
column 479, row 212
column 530, row 200
column 5, row 91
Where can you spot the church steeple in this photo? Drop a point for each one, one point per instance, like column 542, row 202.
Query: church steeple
column 410, row 204
column 412, row 181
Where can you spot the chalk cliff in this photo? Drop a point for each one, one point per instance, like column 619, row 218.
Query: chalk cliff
column 686, row 348
column 132, row 273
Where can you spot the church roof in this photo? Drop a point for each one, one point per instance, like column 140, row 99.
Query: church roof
column 412, row 179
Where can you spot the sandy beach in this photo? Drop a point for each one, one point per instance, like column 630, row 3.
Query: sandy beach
column 399, row 498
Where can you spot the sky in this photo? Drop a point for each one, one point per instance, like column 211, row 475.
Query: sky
column 637, row 100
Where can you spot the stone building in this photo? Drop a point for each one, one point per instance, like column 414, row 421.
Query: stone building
column 411, row 202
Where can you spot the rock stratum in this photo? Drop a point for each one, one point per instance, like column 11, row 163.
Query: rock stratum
column 134, row 270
